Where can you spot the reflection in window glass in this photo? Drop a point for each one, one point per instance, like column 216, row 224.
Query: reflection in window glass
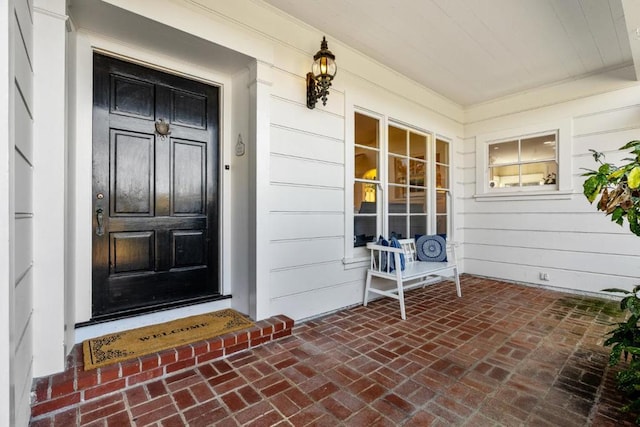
column 366, row 160
column 397, row 170
column 364, row 197
column 442, row 210
column 418, row 146
column 442, row 152
column 364, row 230
column 397, row 141
column 538, row 148
column 417, row 173
column 525, row 162
column 418, row 225
column 503, row 153
column 442, row 176
column 441, row 201
column 417, row 202
column 366, row 131
column 398, row 226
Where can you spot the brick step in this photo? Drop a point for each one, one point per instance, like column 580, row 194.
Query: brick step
column 58, row 391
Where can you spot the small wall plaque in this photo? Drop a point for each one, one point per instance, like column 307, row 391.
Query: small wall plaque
column 239, row 146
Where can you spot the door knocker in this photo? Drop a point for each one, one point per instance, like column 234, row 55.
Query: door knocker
column 162, row 128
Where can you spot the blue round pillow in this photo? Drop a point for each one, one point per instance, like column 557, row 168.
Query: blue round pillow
column 431, row 248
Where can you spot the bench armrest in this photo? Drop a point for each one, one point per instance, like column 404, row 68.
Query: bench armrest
column 375, row 247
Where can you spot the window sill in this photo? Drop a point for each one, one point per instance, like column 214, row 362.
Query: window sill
column 529, row 195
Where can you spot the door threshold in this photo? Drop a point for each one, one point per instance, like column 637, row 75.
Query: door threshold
column 93, row 328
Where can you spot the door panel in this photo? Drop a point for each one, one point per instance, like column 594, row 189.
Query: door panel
column 132, row 252
column 132, row 160
column 188, row 178
column 155, row 196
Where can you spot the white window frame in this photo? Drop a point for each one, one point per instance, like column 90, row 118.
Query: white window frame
column 564, row 188
column 355, row 257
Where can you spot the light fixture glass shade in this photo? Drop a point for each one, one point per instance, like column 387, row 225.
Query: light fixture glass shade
column 324, row 68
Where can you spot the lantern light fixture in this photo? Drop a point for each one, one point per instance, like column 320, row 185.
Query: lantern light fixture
column 322, row 73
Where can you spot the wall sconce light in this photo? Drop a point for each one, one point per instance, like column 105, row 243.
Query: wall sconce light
column 322, row 72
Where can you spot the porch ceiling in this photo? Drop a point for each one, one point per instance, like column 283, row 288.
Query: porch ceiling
column 473, row 51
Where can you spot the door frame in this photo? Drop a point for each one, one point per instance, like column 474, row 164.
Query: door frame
column 80, row 160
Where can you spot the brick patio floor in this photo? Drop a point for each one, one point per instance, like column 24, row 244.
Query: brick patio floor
column 503, row 355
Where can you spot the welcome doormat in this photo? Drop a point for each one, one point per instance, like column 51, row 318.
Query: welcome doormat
column 121, row 346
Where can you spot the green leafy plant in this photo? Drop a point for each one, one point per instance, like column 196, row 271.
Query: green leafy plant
column 617, row 186
column 625, row 342
column 618, row 189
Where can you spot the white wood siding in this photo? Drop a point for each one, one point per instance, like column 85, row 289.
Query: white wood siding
column 23, row 208
column 306, row 210
column 577, row 246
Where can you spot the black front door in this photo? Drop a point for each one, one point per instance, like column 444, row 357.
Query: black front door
column 155, row 189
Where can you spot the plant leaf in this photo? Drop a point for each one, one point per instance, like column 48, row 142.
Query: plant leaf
column 633, row 178
column 616, row 174
column 618, row 290
column 630, row 144
column 592, row 188
column 617, row 214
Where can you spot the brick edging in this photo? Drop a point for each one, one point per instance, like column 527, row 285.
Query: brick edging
column 74, row 385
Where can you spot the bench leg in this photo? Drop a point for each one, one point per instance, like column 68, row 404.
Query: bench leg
column 367, row 286
column 457, row 278
column 401, row 299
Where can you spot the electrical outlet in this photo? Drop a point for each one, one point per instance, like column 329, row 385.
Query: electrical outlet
column 544, row 276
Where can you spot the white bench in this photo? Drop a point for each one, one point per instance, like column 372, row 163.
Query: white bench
column 416, row 273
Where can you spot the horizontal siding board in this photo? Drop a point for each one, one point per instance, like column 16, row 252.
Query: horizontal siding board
column 606, row 142
column 305, row 280
column 305, row 252
column 23, row 75
column 577, row 204
column 23, row 405
column 23, row 302
column 304, row 226
column 24, row 185
column 305, row 199
column 468, row 175
column 562, row 279
column 627, row 244
column 606, row 121
column 296, row 116
column 23, row 129
column 572, row 222
column 26, row 25
column 23, row 360
column 306, row 172
column 564, row 260
column 301, row 306
column 300, row 144
column 23, row 245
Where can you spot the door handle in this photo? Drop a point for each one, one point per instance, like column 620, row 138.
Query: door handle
column 100, row 220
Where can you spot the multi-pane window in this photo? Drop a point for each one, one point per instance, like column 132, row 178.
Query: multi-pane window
column 407, row 184
column 366, row 179
column 401, row 181
column 443, row 189
column 523, row 162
